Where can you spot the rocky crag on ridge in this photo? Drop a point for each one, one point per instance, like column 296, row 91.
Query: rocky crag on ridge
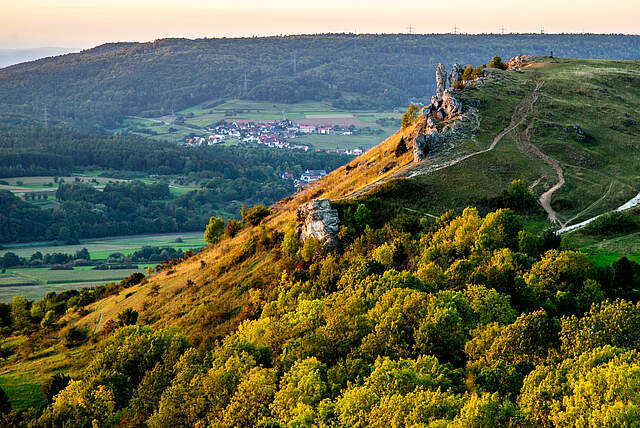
column 444, row 108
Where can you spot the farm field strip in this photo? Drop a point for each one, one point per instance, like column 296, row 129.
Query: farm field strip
column 105, row 246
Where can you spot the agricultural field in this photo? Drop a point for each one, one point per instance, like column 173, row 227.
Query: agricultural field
column 35, row 283
column 102, row 247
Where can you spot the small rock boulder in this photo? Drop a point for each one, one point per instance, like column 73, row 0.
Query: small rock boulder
column 318, row 219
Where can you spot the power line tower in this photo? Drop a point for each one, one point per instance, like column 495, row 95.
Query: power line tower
column 542, row 31
column 45, row 117
column 410, row 28
column 245, row 86
column 502, row 30
column 455, row 29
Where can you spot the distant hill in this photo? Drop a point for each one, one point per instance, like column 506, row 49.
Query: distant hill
column 16, row 56
column 103, row 84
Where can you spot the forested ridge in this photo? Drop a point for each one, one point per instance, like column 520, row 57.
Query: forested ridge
column 104, row 84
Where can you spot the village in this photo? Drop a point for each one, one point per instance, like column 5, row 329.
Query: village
column 275, row 134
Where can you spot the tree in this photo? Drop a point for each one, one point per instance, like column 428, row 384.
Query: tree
column 363, row 217
column 499, row 230
column 468, row 71
column 410, row 116
column 251, row 401
column 401, row 148
column 53, row 386
column 518, row 197
column 496, row 62
column 488, row 411
column 597, row 388
column 614, row 323
column 444, row 328
column 301, row 389
column 561, row 279
column 49, row 320
column 82, row 254
column 255, row 215
column 20, row 313
column 214, row 230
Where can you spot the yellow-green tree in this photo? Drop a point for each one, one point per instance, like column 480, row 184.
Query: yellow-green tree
column 214, row 230
column 410, row 116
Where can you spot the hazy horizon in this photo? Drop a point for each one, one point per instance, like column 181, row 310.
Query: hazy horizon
column 83, row 24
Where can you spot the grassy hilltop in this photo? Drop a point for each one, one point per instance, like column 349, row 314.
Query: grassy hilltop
column 460, row 318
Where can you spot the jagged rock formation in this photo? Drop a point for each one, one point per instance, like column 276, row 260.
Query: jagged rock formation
column 317, row 219
column 517, row 62
column 456, row 74
column 427, row 141
column 444, row 107
column 441, row 80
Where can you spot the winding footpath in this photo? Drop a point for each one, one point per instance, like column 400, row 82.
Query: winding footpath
column 519, row 116
column 545, row 198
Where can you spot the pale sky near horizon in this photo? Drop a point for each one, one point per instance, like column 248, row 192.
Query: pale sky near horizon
column 86, row 23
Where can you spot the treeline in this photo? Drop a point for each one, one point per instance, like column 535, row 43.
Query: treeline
column 104, row 84
column 146, row 254
column 120, row 209
column 465, row 321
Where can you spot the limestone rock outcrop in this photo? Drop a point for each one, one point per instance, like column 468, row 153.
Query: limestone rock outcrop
column 441, row 80
column 444, row 107
column 517, row 62
column 456, row 74
column 425, row 143
column 317, row 219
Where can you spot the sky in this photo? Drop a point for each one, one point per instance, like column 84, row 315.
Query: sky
column 87, row 23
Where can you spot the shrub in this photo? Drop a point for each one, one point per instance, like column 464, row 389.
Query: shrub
column 74, row 337
column 255, row 215
column 133, row 279
column 496, row 62
column 127, row 317
column 401, row 148
column 615, row 222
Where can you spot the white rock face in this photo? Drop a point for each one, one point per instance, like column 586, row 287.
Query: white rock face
column 317, row 219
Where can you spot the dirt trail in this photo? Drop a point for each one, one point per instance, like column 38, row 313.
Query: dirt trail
column 98, row 324
column 584, row 211
column 522, row 110
column 545, row 198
